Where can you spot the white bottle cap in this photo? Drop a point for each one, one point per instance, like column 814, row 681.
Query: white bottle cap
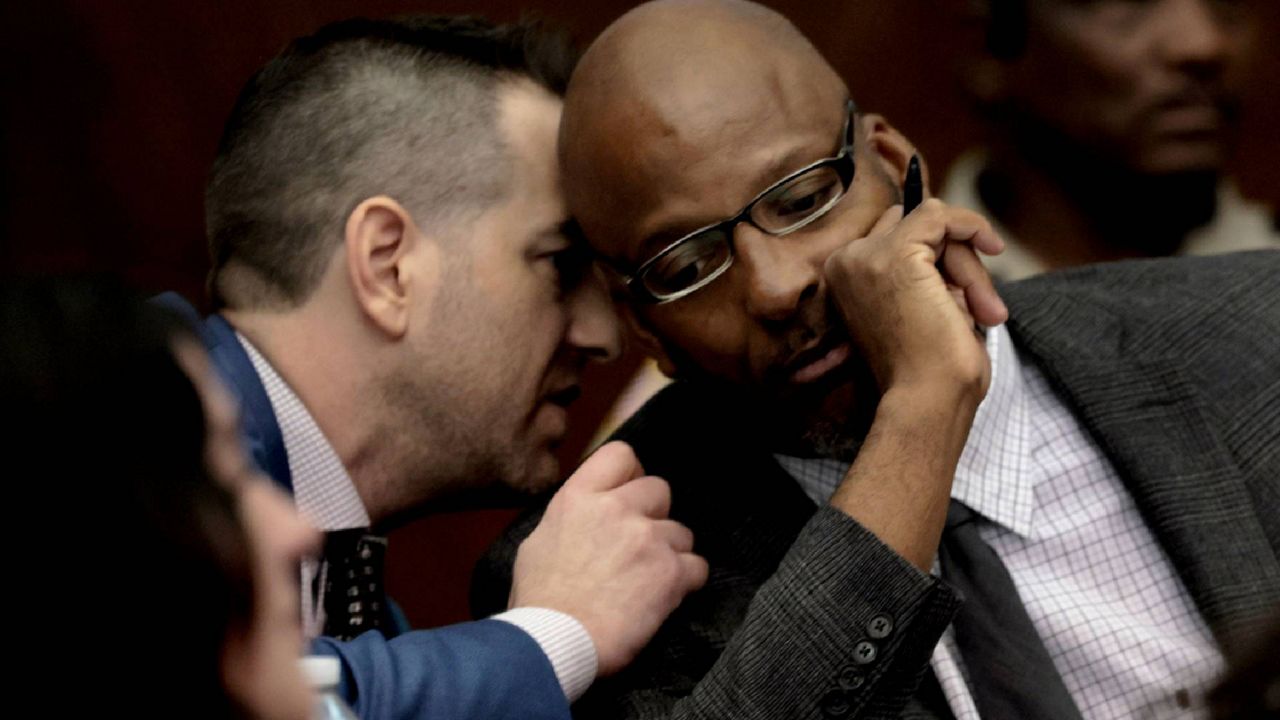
column 322, row 672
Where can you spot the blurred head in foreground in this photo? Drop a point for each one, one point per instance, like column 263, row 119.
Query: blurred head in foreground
column 153, row 559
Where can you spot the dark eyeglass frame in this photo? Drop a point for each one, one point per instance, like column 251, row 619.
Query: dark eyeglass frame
column 844, row 166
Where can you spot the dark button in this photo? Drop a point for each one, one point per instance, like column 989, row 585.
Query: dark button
column 864, row 652
column 834, row 704
column 851, row 678
column 880, row 627
column 1183, row 698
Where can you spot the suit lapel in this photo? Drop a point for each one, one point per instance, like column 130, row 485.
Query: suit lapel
column 261, row 431
column 1150, row 419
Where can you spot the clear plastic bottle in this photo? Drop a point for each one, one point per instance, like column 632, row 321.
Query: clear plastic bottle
column 322, row 674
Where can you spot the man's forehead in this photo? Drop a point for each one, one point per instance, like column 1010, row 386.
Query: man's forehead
column 673, row 104
column 691, row 163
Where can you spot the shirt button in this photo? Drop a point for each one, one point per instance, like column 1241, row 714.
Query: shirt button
column 864, row 652
column 880, row 627
column 1183, row 698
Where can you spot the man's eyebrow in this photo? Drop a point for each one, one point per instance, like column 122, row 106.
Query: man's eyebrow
column 659, row 241
column 572, row 231
column 797, row 158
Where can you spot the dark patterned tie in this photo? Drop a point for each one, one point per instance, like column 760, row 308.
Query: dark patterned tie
column 354, row 598
column 1010, row 671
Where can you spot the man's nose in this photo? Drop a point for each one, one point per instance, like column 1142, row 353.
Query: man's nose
column 779, row 275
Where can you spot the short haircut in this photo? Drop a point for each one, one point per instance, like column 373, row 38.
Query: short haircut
column 405, row 108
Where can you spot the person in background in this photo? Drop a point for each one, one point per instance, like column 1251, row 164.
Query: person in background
column 152, row 569
column 403, row 314
column 1111, row 123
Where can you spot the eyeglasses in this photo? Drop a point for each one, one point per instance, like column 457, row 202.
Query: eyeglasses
column 690, row 263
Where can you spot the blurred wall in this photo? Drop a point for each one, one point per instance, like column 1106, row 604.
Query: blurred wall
column 112, row 110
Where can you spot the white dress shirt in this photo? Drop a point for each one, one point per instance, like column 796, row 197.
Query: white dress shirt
column 1103, row 596
column 1236, row 226
column 327, row 498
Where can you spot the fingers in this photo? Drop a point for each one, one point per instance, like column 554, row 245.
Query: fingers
column 957, row 235
column 934, row 223
column 650, row 495
column 695, row 570
column 679, row 537
column 963, row 269
column 609, row 467
column 887, row 220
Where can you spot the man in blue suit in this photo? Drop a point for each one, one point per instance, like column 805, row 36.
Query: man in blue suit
column 404, row 315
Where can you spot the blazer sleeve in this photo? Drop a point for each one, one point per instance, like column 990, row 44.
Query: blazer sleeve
column 487, row 669
column 842, row 628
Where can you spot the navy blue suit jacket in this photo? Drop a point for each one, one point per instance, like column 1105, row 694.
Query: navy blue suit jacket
column 485, row 669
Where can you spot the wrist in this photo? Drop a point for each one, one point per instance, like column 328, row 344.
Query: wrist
column 565, row 641
column 930, row 402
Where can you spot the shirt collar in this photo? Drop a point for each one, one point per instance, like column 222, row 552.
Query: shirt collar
column 322, row 490
column 994, row 476
column 1236, row 225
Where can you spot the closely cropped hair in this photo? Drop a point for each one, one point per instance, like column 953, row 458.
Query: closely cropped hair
column 405, row 108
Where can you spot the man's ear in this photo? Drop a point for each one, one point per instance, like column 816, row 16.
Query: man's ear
column 645, row 338
column 891, row 149
column 380, row 238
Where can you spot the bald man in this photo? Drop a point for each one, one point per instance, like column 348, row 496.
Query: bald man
column 1097, row 477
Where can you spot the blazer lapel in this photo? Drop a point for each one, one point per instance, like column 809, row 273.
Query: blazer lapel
column 261, row 431
column 1153, row 424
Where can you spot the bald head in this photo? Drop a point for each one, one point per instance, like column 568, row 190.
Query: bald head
column 672, row 53
column 675, row 81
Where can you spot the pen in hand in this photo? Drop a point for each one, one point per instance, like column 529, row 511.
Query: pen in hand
column 913, row 195
column 912, row 187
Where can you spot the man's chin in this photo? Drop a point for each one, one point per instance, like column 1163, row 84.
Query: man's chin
column 830, row 421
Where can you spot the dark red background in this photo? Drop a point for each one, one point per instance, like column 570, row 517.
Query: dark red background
column 112, row 111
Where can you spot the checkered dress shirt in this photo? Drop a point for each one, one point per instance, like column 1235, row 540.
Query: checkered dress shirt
column 1121, row 629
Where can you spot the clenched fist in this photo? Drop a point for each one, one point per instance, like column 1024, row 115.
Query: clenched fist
column 606, row 553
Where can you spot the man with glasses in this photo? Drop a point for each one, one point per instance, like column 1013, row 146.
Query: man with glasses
column 858, row 442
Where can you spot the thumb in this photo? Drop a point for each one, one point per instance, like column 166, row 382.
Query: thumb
column 612, row 465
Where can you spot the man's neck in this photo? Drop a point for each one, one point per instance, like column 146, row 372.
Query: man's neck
column 1068, row 209
column 315, row 363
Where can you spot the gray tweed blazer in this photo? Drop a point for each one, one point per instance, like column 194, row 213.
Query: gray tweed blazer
column 1172, row 365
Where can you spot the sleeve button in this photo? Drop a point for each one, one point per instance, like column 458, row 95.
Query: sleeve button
column 850, row 679
column 835, row 705
column 880, row 627
column 864, row 652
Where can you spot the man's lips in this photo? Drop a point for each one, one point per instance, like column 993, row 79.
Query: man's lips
column 818, row 359
column 1192, row 110
column 809, row 370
